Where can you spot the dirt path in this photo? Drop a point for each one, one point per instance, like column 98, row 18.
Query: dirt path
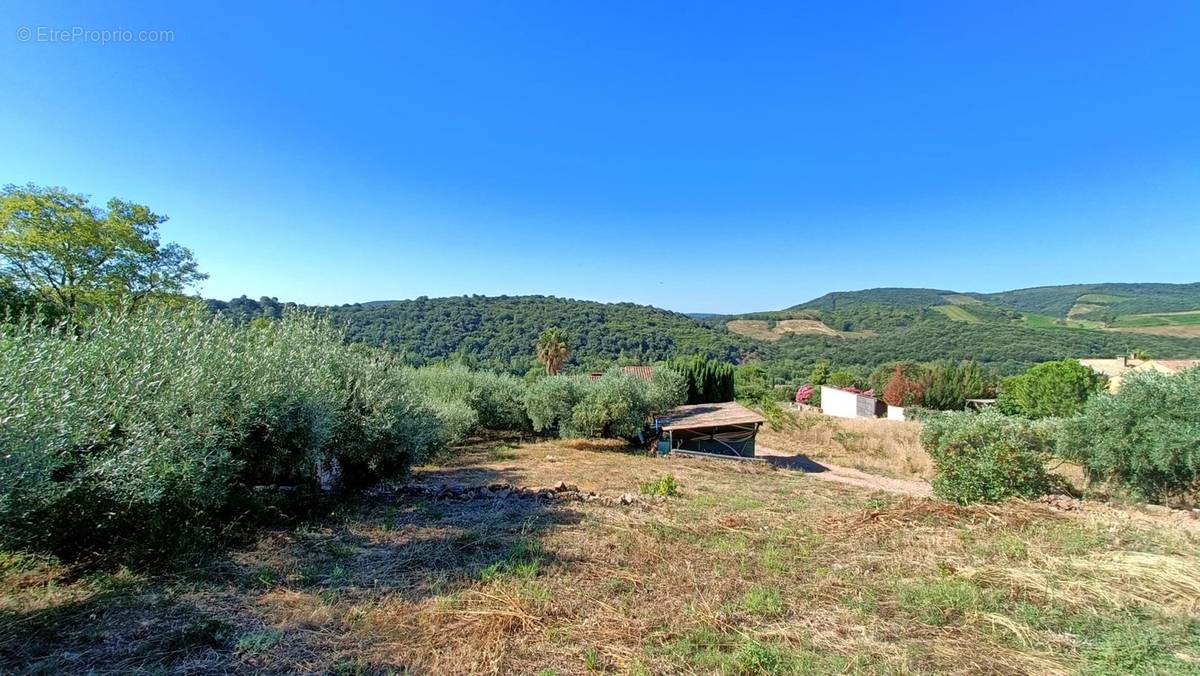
column 844, row 475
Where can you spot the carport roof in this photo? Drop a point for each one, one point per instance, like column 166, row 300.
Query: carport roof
column 709, row 415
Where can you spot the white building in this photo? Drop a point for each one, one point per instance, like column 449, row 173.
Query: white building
column 846, row 404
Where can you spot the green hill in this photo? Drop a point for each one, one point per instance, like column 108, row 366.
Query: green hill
column 883, row 296
column 862, row 329
column 1010, row 330
column 1104, row 300
column 1111, row 299
column 499, row 332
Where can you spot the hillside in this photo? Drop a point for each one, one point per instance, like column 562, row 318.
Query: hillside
column 860, row 329
column 882, row 296
column 1010, row 330
column 499, row 332
column 1103, row 302
column 1010, row 348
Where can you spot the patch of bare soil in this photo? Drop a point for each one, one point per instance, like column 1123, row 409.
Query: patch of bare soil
column 762, row 329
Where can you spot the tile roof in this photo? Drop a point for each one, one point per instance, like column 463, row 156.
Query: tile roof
column 643, row 372
column 1177, row 364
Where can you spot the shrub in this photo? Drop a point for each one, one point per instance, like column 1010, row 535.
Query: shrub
column 1055, row 388
column 752, row 382
column 142, row 433
column 665, row 485
column 843, row 379
column 1146, row 437
column 467, row 400
column 901, row 388
column 614, row 405
column 668, row 388
column 385, row 426
column 987, row 456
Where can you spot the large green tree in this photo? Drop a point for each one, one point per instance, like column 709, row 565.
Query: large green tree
column 1055, row 388
column 67, row 253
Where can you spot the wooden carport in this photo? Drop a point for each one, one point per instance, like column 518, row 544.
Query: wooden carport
column 724, row 429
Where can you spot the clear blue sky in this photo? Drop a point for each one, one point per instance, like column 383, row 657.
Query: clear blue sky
column 694, row 156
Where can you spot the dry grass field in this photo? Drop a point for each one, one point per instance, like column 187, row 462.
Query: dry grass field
column 886, row 447
column 762, row 329
column 1177, row 330
column 742, row 568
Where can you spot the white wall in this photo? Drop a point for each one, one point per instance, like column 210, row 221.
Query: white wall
column 838, row 403
column 895, row 413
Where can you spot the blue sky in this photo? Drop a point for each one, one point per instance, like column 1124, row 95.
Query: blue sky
column 694, row 156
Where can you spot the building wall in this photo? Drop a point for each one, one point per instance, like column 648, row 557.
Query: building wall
column 839, row 403
column 895, row 412
column 843, row 404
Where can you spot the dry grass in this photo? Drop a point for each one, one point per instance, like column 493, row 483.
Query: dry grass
column 1178, row 330
column 762, row 329
column 750, row 569
column 887, row 447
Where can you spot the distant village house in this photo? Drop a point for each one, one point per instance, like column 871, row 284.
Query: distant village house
column 1118, row 369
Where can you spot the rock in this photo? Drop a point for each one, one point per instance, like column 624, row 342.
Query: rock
column 627, row 499
column 329, row 474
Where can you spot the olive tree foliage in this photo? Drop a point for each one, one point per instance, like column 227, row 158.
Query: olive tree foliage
column 144, row 432
column 1146, row 437
column 988, row 456
column 467, row 400
column 1055, row 388
column 75, row 256
column 550, row 401
column 613, row 405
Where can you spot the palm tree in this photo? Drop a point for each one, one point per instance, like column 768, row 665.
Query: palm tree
column 552, row 349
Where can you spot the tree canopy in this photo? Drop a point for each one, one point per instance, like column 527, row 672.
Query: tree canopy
column 65, row 252
column 1056, row 388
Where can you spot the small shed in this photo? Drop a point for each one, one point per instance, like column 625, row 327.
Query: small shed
column 725, row 428
column 847, row 404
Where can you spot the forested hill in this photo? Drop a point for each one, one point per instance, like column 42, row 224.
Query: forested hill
column 1100, row 302
column 883, row 296
column 499, row 332
column 858, row 329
